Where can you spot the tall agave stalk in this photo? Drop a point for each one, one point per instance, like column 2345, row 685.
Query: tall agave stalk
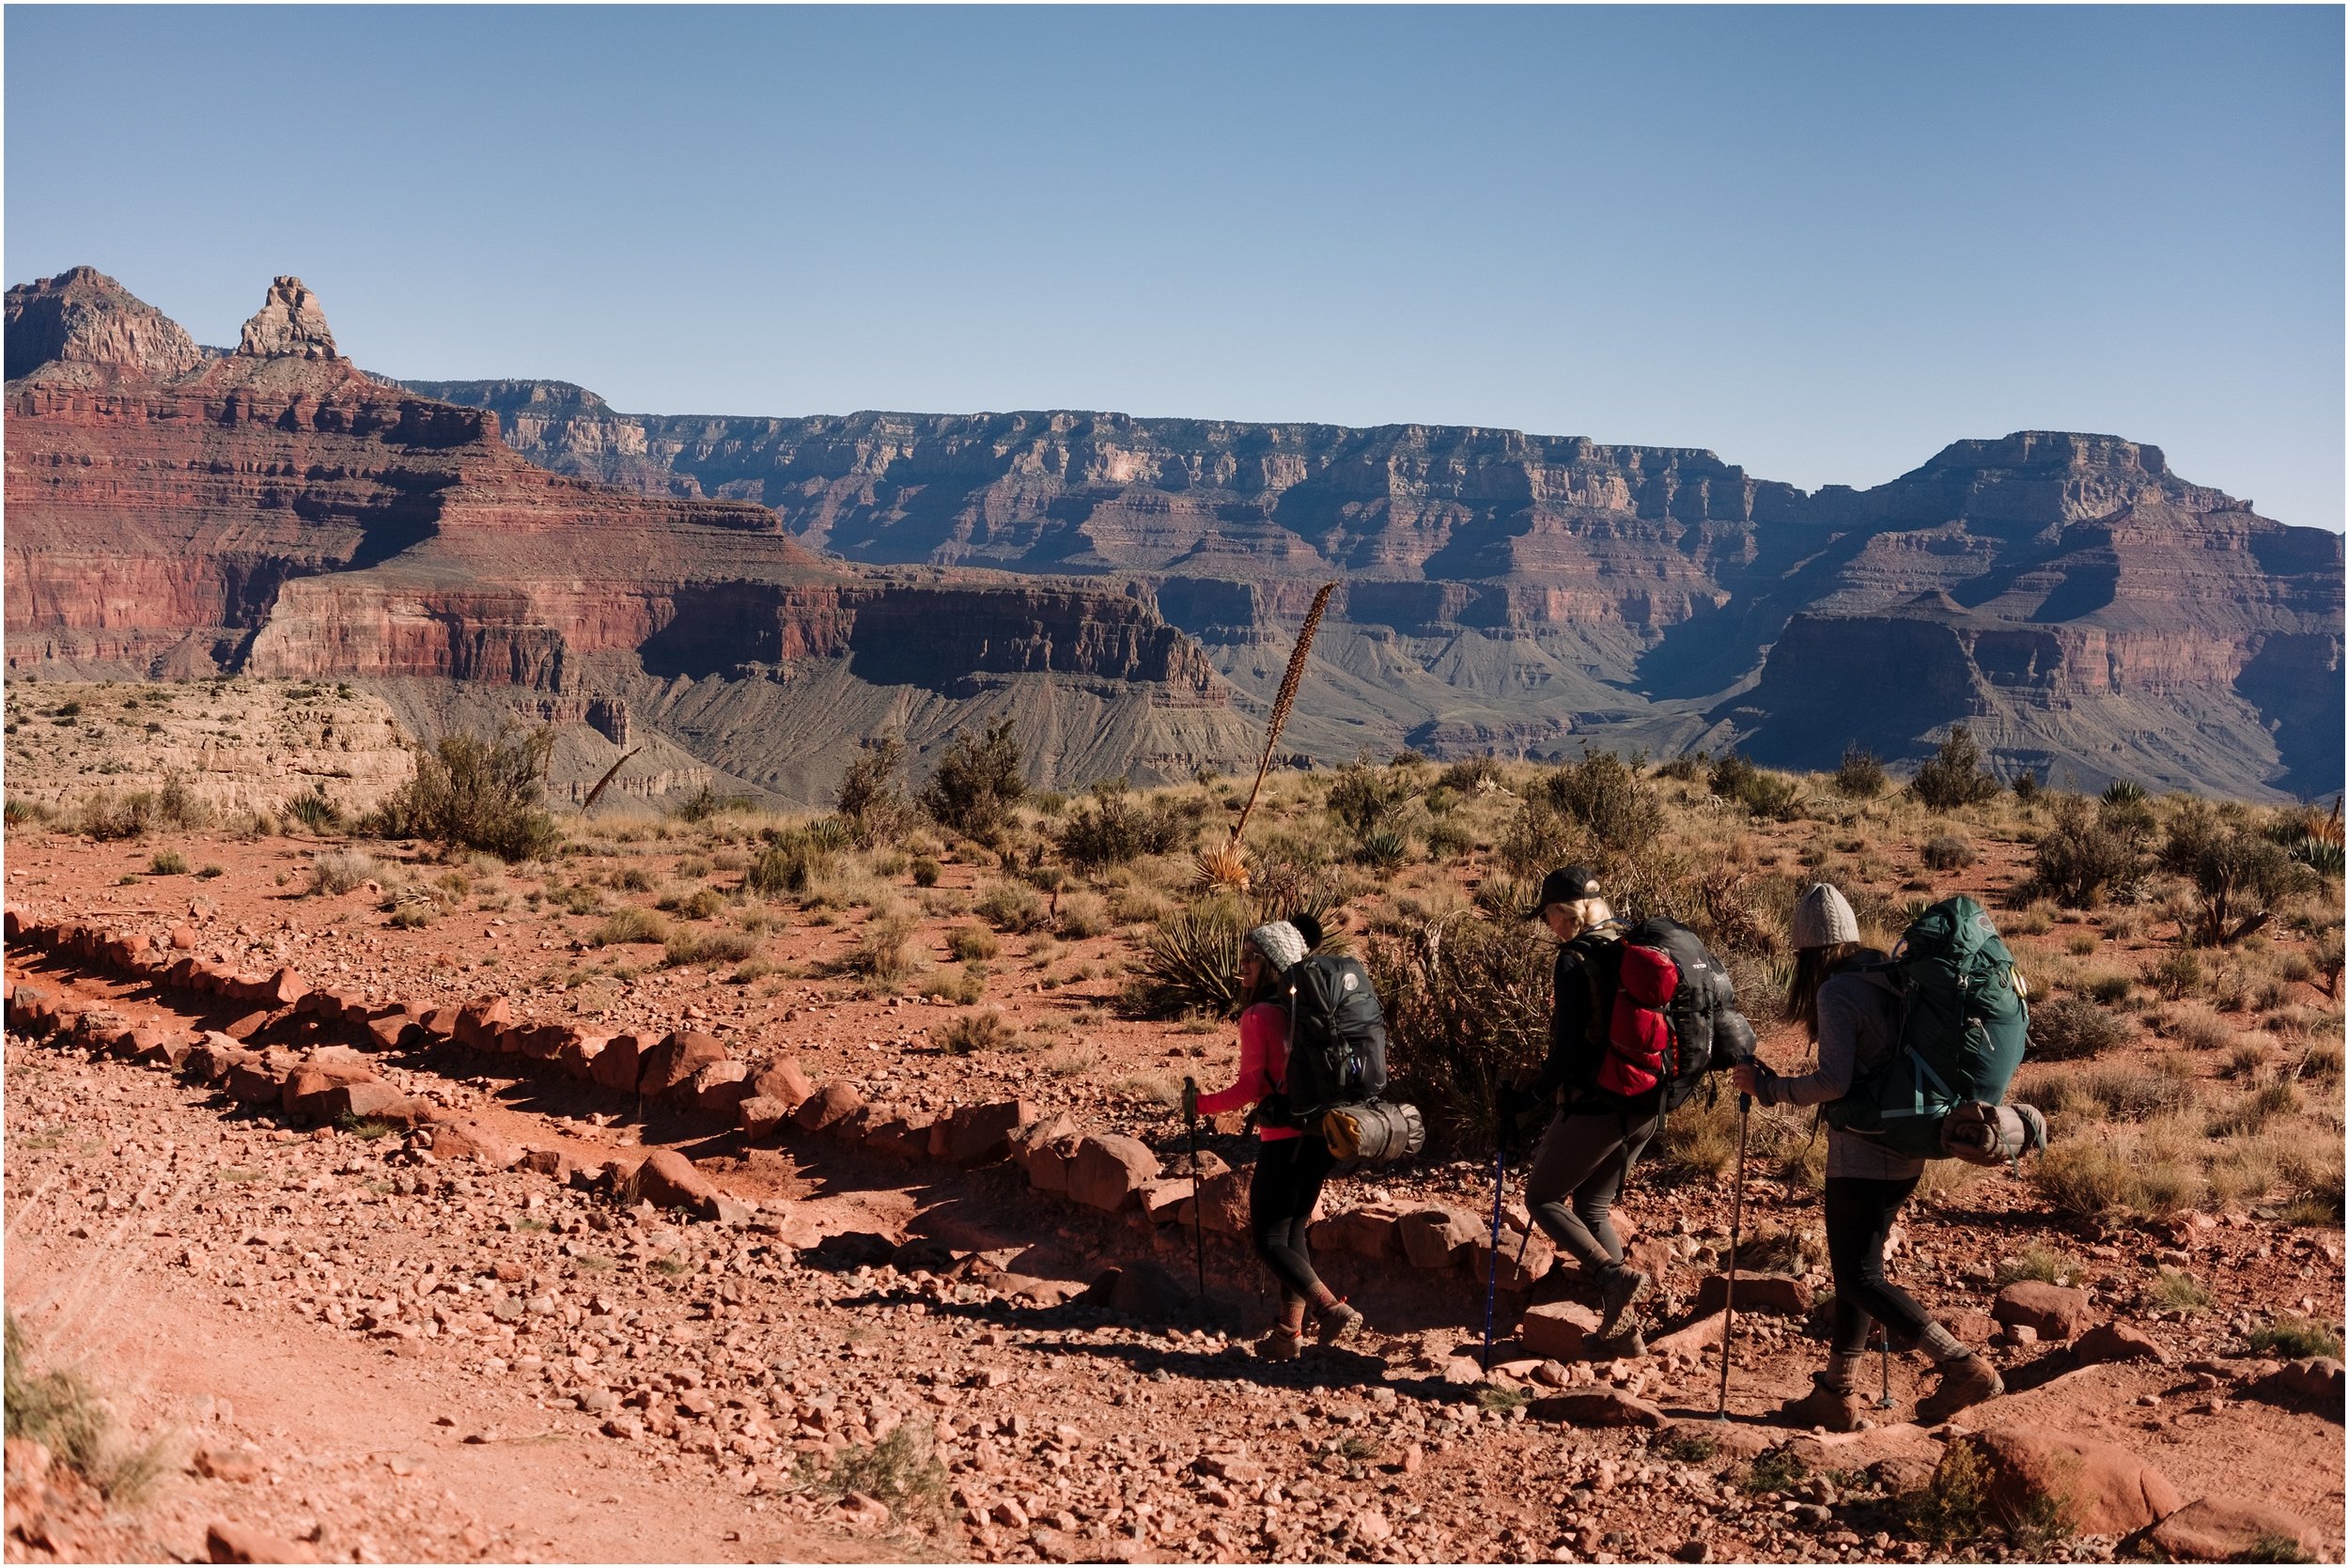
column 1227, row 867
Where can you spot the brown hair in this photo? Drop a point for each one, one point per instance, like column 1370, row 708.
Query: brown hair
column 1812, row 965
column 1267, row 976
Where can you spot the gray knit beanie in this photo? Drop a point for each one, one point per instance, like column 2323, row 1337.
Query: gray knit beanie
column 1823, row 918
column 1281, row 943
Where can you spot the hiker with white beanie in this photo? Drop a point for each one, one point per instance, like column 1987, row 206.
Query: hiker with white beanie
column 1292, row 1162
column 1844, row 997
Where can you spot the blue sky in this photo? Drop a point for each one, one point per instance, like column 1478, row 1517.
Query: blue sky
column 1823, row 243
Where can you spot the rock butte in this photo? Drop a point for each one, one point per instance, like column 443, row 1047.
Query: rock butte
column 1109, row 581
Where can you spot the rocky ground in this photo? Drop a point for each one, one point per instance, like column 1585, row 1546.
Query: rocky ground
column 475, row 1339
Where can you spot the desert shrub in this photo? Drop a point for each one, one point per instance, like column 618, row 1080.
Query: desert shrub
column 1082, row 915
column 871, row 800
column 1607, row 795
column 2069, row 1027
column 969, row 1033
column 2178, row 974
column 1449, row 841
column 1955, row 775
column 1860, row 775
column 167, row 863
column 1470, row 775
column 1011, row 907
column 1540, row 837
column 2253, row 1110
column 1687, row 767
column 971, row 945
column 315, row 812
column 2114, row 1092
column 1948, row 852
column 2238, row 876
column 1770, row 796
column 686, row 948
column 977, row 784
column 1364, row 798
column 2041, row 1263
column 1382, row 849
column 65, row 1415
column 901, row 1470
column 338, row 871
column 926, row 871
column 631, row 925
column 1468, row 1003
column 790, row 863
column 700, row 904
column 2293, row 1339
column 1111, row 829
column 2175, row 1291
column 1191, row 964
column 473, row 793
column 2121, row 792
column 2084, row 856
column 1729, row 775
column 879, row 953
column 2026, row 785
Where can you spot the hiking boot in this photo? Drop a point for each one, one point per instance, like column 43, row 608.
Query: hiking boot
column 1964, row 1383
column 1335, row 1321
column 1622, row 1288
column 1838, row 1409
column 1629, row 1345
column 1282, row 1344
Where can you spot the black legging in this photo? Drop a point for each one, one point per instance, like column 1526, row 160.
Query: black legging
column 1280, row 1198
column 1860, row 1216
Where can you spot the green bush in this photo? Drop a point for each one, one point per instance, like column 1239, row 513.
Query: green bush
column 978, row 782
column 1947, row 852
column 2069, row 1027
column 1607, row 796
column 2083, row 857
column 1955, row 776
column 790, row 863
column 1860, row 776
column 1110, row 829
column 870, row 799
column 1468, row 1005
column 167, row 863
column 1365, row 798
column 2293, row 1339
column 1011, row 907
column 969, row 1032
column 472, row 793
column 1191, row 964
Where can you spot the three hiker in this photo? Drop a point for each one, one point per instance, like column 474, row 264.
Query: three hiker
column 1291, row 1162
column 1852, row 1012
column 1596, row 1132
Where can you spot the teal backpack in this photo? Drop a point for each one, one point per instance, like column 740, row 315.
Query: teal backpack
column 1963, row 1030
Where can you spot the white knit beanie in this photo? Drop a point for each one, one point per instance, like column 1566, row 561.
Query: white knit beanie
column 1281, row 943
column 1823, row 918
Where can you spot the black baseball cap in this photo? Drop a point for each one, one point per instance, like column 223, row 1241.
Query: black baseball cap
column 1569, row 884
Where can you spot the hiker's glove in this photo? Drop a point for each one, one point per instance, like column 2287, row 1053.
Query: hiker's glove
column 1190, row 1099
column 1755, row 1077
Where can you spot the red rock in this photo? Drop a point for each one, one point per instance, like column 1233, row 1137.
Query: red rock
column 759, row 1116
column 440, row 1022
column 1757, row 1292
column 1595, row 1407
column 307, row 1085
column 783, row 1082
column 835, row 1102
column 249, row 1025
column 390, row 1031
column 166, row 1051
column 1047, row 1166
column 2118, row 1342
column 668, row 1179
column 1162, row 1201
column 721, row 1086
column 480, row 1023
column 1109, row 1170
column 1524, row 1258
column 373, row 1101
column 1691, row 1340
column 1037, row 1134
column 901, row 1136
column 2315, row 1381
column 542, row 1042
column 620, row 1063
column 578, row 1056
column 555, row 1163
column 1559, row 1329
column 1367, row 1233
column 284, row 988
column 232, row 1543
column 2221, row 1529
column 1221, row 1204
column 2102, row 1488
column 981, row 1134
column 2056, row 1311
column 1436, row 1238
column 467, row 1139
column 256, row 1082
column 673, row 1063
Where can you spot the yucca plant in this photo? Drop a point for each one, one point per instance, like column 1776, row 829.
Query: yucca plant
column 1383, row 849
column 1192, row 962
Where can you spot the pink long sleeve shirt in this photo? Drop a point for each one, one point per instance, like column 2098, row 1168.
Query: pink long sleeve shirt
column 1264, row 1059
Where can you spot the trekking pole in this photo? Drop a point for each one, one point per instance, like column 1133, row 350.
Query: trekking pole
column 1884, row 1345
column 1492, row 1272
column 1198, row 1203
column 1729, row 1281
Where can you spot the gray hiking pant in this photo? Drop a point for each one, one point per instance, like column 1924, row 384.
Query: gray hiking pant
column 1587, row 1154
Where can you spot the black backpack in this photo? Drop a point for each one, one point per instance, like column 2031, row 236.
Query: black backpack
column 1337, row 1036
